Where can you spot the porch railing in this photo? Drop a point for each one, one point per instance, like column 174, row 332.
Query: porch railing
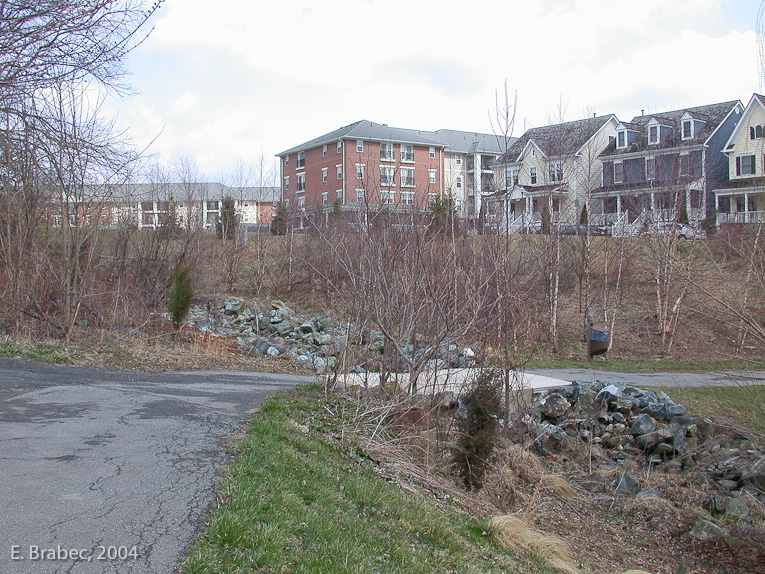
column 741, row 217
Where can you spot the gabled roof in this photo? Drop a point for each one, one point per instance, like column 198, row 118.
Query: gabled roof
column 630, row 126
column 564, row 139
column 754, row 101
column 712, row 115
column 366, row 130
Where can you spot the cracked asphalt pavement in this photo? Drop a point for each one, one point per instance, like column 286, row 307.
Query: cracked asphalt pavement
column 113, row 472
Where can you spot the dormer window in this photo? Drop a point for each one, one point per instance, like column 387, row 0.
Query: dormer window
column 755, row 132
column 653, row 134
column 687, row 129
column 621, row 139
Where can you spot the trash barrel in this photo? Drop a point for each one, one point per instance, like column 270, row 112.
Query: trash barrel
column 598, row 339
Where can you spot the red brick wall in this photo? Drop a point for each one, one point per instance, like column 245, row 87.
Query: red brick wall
column 370, row 157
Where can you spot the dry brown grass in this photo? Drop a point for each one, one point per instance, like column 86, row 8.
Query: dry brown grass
column 559, row 486
column 515, row 535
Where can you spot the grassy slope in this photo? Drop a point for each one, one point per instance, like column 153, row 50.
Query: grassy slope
column 742, row 405
column 300, row 499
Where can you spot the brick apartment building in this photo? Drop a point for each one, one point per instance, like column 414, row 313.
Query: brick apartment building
column 372, row 166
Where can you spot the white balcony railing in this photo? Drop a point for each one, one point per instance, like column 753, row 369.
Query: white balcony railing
column 741, row 217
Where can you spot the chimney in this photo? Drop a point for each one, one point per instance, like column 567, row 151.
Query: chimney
column 642, row 112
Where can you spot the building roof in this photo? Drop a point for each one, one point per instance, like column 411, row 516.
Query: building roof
column 712, row 115
column 757, row 183
column 563, row 139
column 472, row 142
column 200, row 191
column 453, row 140
column 366, row 130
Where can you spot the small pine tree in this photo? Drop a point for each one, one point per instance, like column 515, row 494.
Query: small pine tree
column 279, row 220
column 179, row 296
column 584, row 217
column 477, row 429
column 228, row 222
column 443, row 216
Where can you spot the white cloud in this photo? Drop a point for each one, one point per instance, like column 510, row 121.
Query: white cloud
column 249, row 77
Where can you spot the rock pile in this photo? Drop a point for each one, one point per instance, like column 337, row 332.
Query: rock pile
column 623, row 427
column 314, row 342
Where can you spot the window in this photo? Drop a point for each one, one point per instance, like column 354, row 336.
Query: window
column 360, row 171
column 407, row 198
column 407, row 152
column 745, row 165
column 301, row 203
column 359, row 196
column 212, row 206
column 339, row 193
column 339, row 171
column 387, row 197
column 555, row 172
column 386, row 151
column 687, row 129
column 325, row 198
column 301, row 159
column 650, row 169
column 324, row 151
column 286, row 203
column 432, row 198
column 685, row 165
column 621, row 139
column 755, row 132
column 431, row 176
column 339, row 147
column 431, row 152
column 286, row 160
column 458, row 159
column 387, row 174
column 459, row 182
column 359, row 146
column 653, row 135
column 287, row 183
column 301, row 182
column 324, row 174
column 458, row 204
column 533, row 175
column 511, row 177
column 147, row 206
column 618, row 172
column 407, row 177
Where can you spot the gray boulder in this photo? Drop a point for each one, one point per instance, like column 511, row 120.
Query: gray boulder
column 625, row 484
column 554, row 406
column 643, row 424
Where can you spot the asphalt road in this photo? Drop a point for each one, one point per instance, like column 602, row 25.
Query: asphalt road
column 119, row 467
column 657, row 378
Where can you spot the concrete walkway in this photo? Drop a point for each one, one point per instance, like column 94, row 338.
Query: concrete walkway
column 658, row 378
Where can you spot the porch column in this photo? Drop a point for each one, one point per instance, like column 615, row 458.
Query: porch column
column 746, row 207
column 652, row 205
column 618, row 204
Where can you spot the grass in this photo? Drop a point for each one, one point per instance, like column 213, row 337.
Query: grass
column 299, row 498
column 612, row 363
column 743, row 405
column 52, row 353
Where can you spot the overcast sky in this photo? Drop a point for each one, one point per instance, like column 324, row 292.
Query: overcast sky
column 240, row 78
